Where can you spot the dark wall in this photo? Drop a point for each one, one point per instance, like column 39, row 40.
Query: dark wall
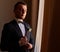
column 54, row 38
column 51, row 27
column 48, row 13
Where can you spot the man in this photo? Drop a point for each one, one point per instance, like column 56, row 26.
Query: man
column 17, row 35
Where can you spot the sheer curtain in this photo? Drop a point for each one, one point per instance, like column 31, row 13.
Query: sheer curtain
column 39, row 27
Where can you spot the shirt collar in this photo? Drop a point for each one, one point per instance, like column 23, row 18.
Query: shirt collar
column 18, row 20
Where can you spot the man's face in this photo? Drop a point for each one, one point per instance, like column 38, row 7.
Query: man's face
column 20, row 11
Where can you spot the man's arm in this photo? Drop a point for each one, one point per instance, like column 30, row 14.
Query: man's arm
column 4, row 39
column 30, row 43
column 29, row 33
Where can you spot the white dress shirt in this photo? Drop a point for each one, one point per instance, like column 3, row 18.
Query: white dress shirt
column 22, row 27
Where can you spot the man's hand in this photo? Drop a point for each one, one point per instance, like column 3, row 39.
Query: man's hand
column 23, row 41
column 29, row 45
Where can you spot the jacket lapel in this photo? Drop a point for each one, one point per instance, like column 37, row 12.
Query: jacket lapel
column 18, row 30
column 26, row 28
column 27, row 34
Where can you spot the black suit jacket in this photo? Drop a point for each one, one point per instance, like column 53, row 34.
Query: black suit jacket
column 11, row 34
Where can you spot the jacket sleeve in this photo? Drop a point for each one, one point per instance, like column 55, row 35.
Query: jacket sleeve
column 4, row 38
column 31, row 35
column 31, row 39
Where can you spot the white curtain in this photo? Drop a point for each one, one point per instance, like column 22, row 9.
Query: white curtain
column 39, row 27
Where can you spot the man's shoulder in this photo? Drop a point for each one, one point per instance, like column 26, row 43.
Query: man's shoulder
column 9, row 23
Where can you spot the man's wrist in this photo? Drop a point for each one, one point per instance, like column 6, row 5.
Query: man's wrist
column 30, row 46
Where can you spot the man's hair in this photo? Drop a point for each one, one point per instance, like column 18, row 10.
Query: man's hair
column 23, row 3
